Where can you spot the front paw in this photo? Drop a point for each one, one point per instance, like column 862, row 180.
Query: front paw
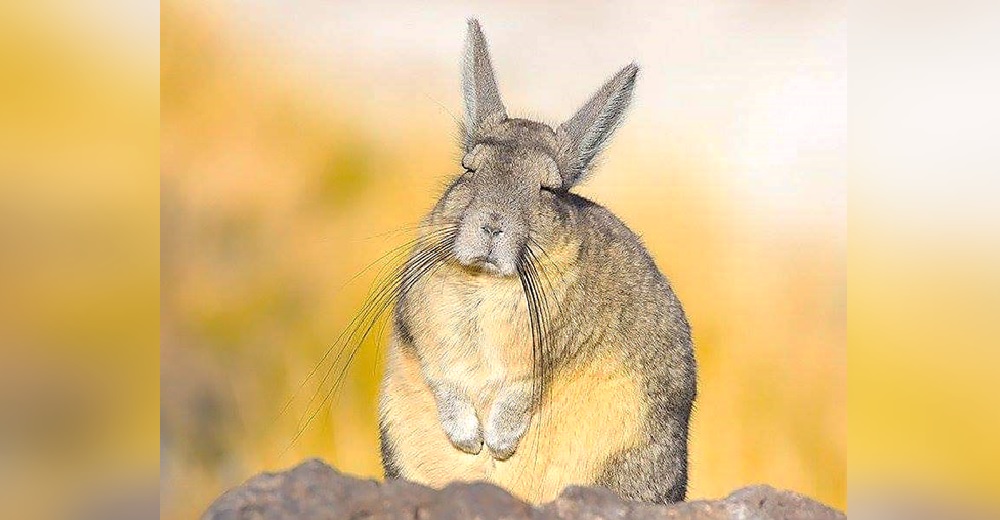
column 504, row 431
column 458, row 418
column 464, row 433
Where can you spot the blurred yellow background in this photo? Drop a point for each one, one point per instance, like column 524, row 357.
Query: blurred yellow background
column 299, row 139
column 79, row 256
column 924, row 333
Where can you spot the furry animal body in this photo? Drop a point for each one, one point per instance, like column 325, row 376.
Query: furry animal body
column 535, row 343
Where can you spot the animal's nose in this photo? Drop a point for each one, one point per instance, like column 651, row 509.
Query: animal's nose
column 491, row 231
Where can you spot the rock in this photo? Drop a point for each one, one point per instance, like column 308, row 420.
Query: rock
column 314, row 490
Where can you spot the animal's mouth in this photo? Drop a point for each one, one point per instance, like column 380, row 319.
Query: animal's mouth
column 485, row 263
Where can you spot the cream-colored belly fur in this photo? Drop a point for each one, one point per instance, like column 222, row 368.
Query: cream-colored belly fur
column 475, row 331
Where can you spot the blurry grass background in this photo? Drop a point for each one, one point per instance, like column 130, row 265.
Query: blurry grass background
column 295, row 136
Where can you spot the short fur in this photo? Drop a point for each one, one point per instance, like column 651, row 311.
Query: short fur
column 535, row 343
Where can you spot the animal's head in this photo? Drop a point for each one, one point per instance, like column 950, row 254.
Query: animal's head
column 515, row 169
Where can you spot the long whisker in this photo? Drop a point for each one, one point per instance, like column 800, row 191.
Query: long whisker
column 376, row 304
column 538, row 317
column 544, row 354
column 540, row 274
column 550, row 263
column 389, row 257
column 523, row 277
column 402, row 279
column 407, row 247
column 419, row 226
column 373, row 315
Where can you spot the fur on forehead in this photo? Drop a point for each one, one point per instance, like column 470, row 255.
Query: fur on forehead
column 521, row 133
column 519, row 142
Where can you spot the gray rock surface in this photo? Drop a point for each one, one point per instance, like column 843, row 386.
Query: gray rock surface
column 313, row 491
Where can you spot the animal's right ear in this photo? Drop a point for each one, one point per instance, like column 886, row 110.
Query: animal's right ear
column 479, row 87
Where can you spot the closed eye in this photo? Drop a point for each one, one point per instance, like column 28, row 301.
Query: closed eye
column 466, row 167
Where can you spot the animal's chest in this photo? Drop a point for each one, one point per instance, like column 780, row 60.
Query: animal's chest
column 471, row 330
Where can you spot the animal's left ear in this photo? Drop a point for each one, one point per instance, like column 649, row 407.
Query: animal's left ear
column 583, row 137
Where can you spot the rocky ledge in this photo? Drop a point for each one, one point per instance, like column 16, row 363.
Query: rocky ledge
column 314, row 490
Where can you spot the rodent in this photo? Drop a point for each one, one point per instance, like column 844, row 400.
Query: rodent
column 535, row 344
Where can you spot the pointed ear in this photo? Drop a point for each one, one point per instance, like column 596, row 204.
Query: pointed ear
column 583, row 137
column 479, row 87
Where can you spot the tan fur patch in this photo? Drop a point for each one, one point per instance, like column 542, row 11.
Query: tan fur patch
column 591, row 413
column 472, row 330
column 423, row 451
